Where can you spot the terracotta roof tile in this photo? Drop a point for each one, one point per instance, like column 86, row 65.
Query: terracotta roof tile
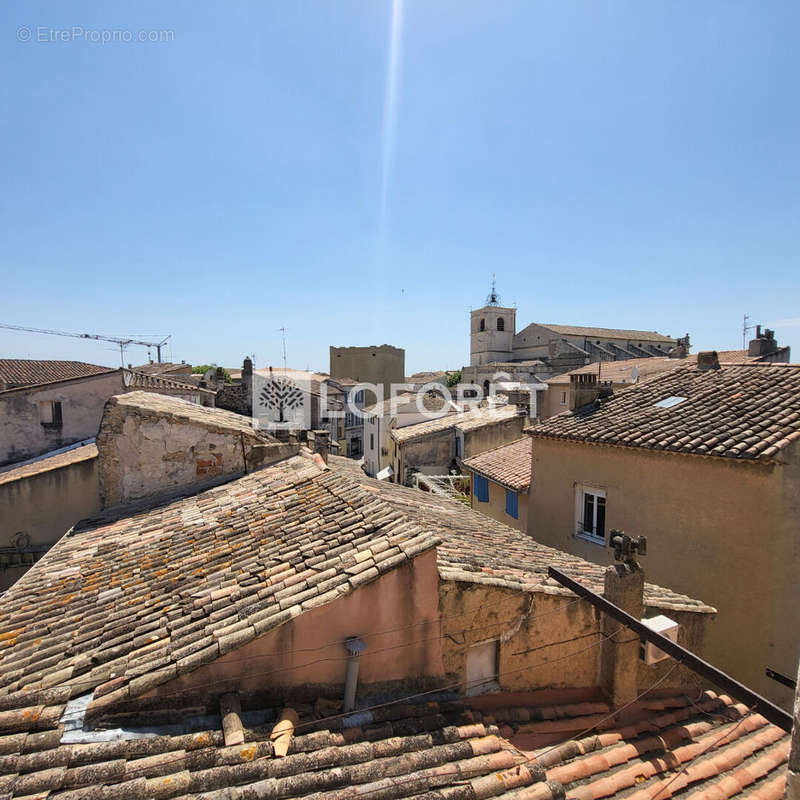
column 509, row 465
column 465, row 421
column 29, row 372
column 610, row 333
column 739, row 411
column 477, row 549
column 46, row 463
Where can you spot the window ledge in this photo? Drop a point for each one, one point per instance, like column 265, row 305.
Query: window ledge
column 587, row 537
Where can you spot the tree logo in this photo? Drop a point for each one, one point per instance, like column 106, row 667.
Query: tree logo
column 281, row 402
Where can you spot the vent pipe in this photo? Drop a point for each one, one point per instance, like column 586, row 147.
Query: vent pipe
column 355, row 647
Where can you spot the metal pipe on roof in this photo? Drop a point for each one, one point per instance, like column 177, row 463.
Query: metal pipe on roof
column 355, row 647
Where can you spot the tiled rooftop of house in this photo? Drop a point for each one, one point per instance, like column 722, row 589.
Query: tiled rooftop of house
column 47, row 463
column 29, row 372
column 747, row 411
column 144, row 403
column 509, row 465
column 522, row 746
column 166, row 383
column 131, row 600
column 465, row 421
column 160, row 367
column 609, row 333
column 478, row 549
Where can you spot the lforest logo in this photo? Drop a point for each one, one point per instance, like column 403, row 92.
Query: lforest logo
column 281, row 402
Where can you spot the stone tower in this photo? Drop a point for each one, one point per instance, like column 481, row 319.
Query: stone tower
column 491, row 332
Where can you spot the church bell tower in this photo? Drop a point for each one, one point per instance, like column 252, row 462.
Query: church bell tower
column 492, row 330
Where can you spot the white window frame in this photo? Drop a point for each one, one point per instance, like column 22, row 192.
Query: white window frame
column 581, row 490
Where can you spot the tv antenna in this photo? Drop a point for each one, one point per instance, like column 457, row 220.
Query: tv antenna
column 122, row 343
column 283, row 336
column 745, row 328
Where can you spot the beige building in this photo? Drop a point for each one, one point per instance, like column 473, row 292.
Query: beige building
column 437, row 446
column 36, row 419
column 501, row 480
column 39, row 502
column 704, row 461
column 383, row 365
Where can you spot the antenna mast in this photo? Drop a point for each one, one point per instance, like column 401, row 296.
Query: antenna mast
column 745, row 328
column 283, row 335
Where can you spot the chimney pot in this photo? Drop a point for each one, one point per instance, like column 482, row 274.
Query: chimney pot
column 707, row 359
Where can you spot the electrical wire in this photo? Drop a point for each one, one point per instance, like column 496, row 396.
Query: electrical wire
column 81, row 685
column 708, row 749
column 469, row 684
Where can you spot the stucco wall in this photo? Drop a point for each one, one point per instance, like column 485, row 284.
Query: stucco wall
column 24, row 436
column 546, row 640
column 496, row 506
column 45, row 506
column 479, row 440
column 381, row 364
column 721, row 530
column 307, row 655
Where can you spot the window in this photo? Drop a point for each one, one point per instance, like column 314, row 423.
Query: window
column 483, row 325
column 482, row 667
column 50, row 413
column 459, row 445
column 590, row 513
column 563, row 398
column 501, row 324
column 360, row 396
column 512, row 505
column 372, row 441
column 669, row 402
column 481, row 489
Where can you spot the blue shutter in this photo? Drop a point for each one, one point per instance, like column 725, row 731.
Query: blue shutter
column 511, row 504
column 481, row 489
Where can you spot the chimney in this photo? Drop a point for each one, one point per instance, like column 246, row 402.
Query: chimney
column 707, row 359
column 247, row 376
column 584, row 390
column 681, row 349
column 764, row 344
column 522, row 400
column 321, row 443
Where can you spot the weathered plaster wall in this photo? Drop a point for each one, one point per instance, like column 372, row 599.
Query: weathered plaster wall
column 496, row 507
column 146, row 451
column 721, row 530
column 309, row 649
column 24, row 436
column 381, row 364
column 479, row 440
column 45, row 506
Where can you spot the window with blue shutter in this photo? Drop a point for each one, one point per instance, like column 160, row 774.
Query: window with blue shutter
column 481, row 489
column 511, row 504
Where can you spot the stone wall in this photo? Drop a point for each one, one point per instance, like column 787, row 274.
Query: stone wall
column 149, row 444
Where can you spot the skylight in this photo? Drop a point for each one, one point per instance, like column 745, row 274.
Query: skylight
column 669, row 402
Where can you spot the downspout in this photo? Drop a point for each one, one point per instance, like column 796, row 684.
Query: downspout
column 355, row 647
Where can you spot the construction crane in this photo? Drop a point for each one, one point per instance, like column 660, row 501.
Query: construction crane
column 122, row 342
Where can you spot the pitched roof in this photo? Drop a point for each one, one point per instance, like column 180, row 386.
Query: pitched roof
column 748, row 411
column 464, row 421
column 48, row 462
column 478, row 549
column 509, row 464
column 609, row 333
column 29, row 372
column 152, row 592
column 161, row 367
column 521, row 746
column 141, row 380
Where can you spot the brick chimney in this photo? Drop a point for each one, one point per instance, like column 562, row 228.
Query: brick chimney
column 522, row 400
column 247, row 376
column 619, row 657
column 584, row 390
column 764, row 344
column 320, row 441
column 681, row 349
column 707, row 359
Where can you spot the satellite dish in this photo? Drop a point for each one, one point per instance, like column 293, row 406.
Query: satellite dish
column 634, row 374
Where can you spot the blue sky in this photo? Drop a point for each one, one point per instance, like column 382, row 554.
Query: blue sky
column 630, row 164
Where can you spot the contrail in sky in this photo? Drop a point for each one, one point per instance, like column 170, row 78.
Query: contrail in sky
column 390, row 106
